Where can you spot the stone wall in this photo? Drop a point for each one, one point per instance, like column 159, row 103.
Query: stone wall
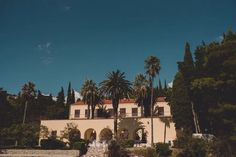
column 39, row 153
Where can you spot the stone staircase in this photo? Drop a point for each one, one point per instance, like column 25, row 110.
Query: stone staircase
column 95, row 152
column 96, row 149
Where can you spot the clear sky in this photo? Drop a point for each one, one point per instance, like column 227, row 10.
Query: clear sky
column 52, row 42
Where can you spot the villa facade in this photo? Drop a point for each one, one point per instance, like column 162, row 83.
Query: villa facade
column 129, row 115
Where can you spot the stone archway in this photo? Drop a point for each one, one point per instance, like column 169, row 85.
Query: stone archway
column 90, row 134
column 105, row 135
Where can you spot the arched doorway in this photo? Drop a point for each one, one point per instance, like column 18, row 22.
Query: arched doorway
column 140, row 135
column 90, row 134
column 105, row 135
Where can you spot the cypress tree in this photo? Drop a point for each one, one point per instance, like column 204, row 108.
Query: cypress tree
column 73, row 96
column 181, row 96
column 187, row 66
column 69, row 95
column 180, row 106
column 61, row 98
column 159, row 89
column 165, row 86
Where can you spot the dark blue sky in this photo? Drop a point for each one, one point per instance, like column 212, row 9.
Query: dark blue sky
column 52, row 42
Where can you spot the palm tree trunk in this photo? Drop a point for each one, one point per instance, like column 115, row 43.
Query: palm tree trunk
column 115, row 123
column 151, row 85
column 165, row 134
column 93, row 108
column 142, row 111
column 88, row 111
column 142, row 108
column 26, row 105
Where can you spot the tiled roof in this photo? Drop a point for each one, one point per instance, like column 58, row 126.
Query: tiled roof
column 123, row 101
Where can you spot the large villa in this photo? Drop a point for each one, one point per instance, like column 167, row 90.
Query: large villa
column 131, row 124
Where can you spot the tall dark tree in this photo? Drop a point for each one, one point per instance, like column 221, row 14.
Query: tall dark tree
column 180, row 106
column 152, row 66
column 187, row 66
column 214, row 86
column 116, row 87
column 165, row 86
column 160, row 89
column 40, row 103
column 5, row 110
column 210, row 86
column 91, row 97
column 61, row 98
column 43, row 102
column 28, row 96
column 73, row 96
column 69, row 100
column 141, row 93
column 58, row 110
column 183, row 80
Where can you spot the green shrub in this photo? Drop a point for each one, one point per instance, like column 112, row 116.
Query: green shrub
column 127, row 143
column 82, row 146
column 182, row 141
column 52, row 143
column 115, row 150
column 71, row 133
column 26, row 135
column 145, row 152
column 78, row 145
column 194, row 148
column 221, row 148
column 163, row 149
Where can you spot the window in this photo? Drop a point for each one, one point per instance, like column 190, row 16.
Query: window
column 122, row 112
column 86, row 113
column 160, row 111
column 54, row 133
column 134, row 112
column 77, row 113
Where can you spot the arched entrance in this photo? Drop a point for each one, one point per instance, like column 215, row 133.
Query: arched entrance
column 140, row 135
column 90, row 134
column 105, row 135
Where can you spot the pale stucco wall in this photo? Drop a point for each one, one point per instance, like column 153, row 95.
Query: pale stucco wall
column 128, row 107
column 99, row 124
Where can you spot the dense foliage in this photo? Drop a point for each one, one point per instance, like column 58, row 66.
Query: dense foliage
column 162, row 149
column 20, row 114
column 52, row 143
column 115, row 150
column 203, row 97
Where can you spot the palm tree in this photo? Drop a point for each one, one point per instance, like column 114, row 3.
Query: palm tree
column 28, row 94
column 90, row 95
column 152, row 66
column 140, row 90
column 97, row 100
column 115, row 87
